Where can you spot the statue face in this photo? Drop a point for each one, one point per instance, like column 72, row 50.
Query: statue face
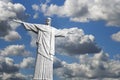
column 48, row 21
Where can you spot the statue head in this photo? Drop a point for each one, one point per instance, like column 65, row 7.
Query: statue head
column 48, row 21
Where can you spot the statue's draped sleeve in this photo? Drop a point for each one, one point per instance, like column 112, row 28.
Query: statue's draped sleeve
column 60, row 33
column 35, row 27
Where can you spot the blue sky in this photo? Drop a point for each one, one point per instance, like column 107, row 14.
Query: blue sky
column 92, row 49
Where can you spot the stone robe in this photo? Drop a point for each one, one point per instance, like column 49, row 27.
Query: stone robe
column 46, row 49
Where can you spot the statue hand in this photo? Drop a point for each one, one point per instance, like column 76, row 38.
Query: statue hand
column 18, row 21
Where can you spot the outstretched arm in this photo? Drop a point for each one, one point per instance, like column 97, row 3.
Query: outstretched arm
column 27, row 26
column 33, row 27
column 62, row 33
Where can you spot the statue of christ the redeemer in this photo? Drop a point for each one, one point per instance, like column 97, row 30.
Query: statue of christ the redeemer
column 46, row 48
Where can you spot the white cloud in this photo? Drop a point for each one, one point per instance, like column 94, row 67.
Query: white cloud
column 116, row 36
column 36, row 15
column 76, row 43
column 35, row 7
column 12, row 35
column 14, row 50
column 9, row 69
column 86, row 10
column 27, row 62
column 33, row 39
column 7, row 65
column 17, row 76
column 10, row 11
column 57, row 63
column 99, row 67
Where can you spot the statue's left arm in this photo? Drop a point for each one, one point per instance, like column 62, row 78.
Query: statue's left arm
column 60, row 33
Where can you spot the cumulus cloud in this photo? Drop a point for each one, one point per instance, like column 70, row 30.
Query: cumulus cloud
column 12, row 35
column 33, row 39
column 36, row 15
column 9, row 69
column 7, row 65
column 85, row 10
column 116, row 36
column 57, row 63
column 17, row 76
column 36, row 8
column 76, row 43
column 99, row 66
column 10, row 11
column 27, row 62
column 14, row 50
